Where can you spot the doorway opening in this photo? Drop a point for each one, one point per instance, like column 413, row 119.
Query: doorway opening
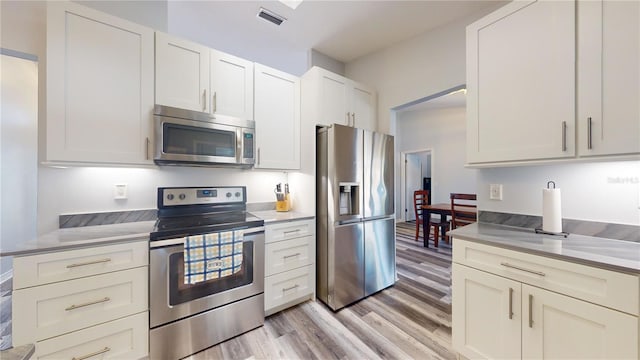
column 416, row 175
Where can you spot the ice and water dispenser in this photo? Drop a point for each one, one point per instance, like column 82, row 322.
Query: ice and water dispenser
column 349, row 198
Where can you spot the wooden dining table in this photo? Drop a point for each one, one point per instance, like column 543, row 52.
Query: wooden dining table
column 444, row 210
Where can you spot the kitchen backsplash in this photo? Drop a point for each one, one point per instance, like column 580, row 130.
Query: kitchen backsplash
column 582, row 227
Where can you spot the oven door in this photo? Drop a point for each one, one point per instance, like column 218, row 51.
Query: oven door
column 181, row 140
column 170, row 298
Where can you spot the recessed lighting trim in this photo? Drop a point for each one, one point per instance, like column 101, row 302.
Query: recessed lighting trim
column 292, row 3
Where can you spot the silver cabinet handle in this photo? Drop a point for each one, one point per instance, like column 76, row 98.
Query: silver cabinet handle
column 522, row 269
column 204, row 100
column 510, row 303
column 353, row 118
column 73, row 307
column 291, row 231
column 92, row 354
column 348, row 118
column 89, row 263
column 564, row 136
column 290, row 288
column 147, row 149
column 258, row 162
column 293, row 255
column 214, row 102
column 530, row 311
column 589, row 127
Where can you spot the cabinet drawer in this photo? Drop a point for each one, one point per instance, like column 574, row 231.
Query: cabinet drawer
column 289, row 230
column 126, row 338
column 281, row 288
column 599, row 286
column 46, row 311
column 289, row 254
column 72, row 264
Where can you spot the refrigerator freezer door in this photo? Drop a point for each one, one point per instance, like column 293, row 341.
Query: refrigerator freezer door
column 347, row 271
column 379, row 255
column 378, row 174
column 344, row 167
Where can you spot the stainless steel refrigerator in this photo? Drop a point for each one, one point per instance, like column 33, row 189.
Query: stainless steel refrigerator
column 355, row 225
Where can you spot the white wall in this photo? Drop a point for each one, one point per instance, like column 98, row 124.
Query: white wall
column 607, row 191
column 442, row 131
column 415, row 68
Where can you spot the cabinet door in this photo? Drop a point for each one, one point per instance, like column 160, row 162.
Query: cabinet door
column 231, row 86
column 182, row 73
column 521, row 83
column 608, row 77
column 334, row 91
column 277, row 116
column 486, row 314
column 99, row 86
column 560, row 327
column 363, row 107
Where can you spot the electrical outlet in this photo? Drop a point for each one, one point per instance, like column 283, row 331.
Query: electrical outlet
column 495, row 191
column 119, row 191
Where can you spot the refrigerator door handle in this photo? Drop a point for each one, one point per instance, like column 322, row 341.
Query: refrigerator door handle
column 349, row 222
column 377, row 218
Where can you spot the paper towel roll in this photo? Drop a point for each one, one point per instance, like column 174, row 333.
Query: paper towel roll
column 551, row 211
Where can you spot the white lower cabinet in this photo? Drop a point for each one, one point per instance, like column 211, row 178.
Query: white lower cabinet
column 125, row 338
column 96, row 305
column 290, row 273
column 505, row 317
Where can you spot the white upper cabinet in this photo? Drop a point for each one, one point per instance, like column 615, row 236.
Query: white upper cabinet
column 330, row 98
column 99, row 87
column 608, row 78
column 231, row 86
column 277, row 117
column 521, row 83
column 182, row 73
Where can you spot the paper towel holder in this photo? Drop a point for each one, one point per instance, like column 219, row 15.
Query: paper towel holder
column 540, row 231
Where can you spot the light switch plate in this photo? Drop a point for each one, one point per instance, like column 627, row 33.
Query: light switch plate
column 495, row 191
column 119, row 191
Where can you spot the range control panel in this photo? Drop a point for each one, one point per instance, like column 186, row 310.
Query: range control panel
column 204, row 195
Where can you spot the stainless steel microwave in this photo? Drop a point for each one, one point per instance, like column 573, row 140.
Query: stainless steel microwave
column 191, row 138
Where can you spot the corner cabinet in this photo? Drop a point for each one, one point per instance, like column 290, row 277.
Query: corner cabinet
column 290, row 253
column 539, row 307
column 521, row 83
column 99, row 87
column 330, row 98
column 608, row 78
column 277, row 117
column 84, row 302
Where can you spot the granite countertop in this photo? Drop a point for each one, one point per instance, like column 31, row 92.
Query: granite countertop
column 272, row 216
column 605, row 253
column 70, row 238
column 23, row 352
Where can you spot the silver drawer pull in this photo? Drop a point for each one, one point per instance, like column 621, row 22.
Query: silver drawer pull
column 530, row 311
column 292, row 255
column 92, row 354
column 73, row 307
column 290, row 288
column 522, row 269
column 291, row 231
column 510, row 303
column 89, row 263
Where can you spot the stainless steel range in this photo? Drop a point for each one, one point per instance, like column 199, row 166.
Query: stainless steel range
column 206, row 270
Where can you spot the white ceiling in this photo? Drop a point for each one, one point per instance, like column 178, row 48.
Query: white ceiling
column 343, row 30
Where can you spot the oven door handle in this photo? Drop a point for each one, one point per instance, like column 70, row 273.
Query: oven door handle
column 180, row 241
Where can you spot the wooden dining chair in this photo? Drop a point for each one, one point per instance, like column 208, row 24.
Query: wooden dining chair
column 420, row 197
column 464, row 209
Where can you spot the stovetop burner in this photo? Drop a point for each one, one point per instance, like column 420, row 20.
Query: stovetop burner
column 193, row 211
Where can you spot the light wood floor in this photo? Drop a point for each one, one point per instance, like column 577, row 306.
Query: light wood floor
column 410, row 320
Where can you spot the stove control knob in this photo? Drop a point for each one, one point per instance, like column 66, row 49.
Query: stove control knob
column 170, row 196
column 228, row 194
column 238, row 194
column 182, row 196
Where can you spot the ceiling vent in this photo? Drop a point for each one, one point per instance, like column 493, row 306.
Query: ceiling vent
column 270, row 16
